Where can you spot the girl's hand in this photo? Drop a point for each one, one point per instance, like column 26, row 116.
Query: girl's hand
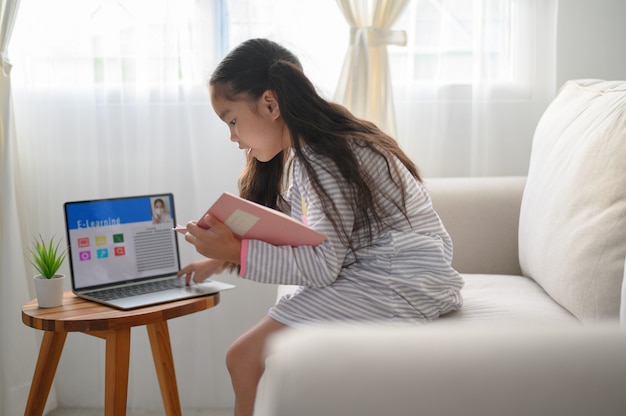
column 199, row 271
column 216, row 242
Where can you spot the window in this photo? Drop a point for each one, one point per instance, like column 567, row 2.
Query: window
column 450, row 43
column 314, row 30
column 157, row 42
column 74, row 43
column 470, row 70
column 445, row 36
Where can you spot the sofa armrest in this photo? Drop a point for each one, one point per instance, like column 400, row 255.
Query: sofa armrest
column 439, row 370
column 481, row 215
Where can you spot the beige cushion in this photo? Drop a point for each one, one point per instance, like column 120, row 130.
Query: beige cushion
column 506, row 299
column 572, row 235
column 499, row 299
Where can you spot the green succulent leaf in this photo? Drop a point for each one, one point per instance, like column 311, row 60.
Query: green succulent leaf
column 47, row 259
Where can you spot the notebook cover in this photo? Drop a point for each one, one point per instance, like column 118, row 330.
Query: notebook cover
column 249, row 220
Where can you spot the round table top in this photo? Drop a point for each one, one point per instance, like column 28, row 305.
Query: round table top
column 80, row 315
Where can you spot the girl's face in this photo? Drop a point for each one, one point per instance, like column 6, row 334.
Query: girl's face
column 255, row 126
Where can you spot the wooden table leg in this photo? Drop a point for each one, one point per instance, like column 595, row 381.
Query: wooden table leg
column 116, row 371
column 49, row 354
column 164, row 363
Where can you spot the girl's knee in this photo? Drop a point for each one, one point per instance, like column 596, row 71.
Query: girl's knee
column 234, row 356
column 244, row 355
column 247, row 352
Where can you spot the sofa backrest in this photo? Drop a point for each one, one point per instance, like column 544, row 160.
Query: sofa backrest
column 572, row 234
column 481, row 214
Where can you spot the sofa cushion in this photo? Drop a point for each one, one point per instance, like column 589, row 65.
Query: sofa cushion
column 498, row 299
column 572, row 235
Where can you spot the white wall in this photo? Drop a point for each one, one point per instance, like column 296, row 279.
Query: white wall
column 591, row 40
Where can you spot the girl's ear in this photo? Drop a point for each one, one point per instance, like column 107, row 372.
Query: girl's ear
column 269, row 104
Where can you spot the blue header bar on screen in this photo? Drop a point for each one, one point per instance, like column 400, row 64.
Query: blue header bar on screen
column 111, row 212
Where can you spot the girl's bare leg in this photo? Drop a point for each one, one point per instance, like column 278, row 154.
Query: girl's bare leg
column 245, row 361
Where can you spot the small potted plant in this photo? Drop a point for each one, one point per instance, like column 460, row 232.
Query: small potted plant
column 47, row 259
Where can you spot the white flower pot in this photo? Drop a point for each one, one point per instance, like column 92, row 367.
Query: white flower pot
column 49, row 291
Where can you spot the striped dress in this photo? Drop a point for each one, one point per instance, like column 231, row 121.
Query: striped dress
column 403, row 275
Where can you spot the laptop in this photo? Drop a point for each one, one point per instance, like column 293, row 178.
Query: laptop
column 124, row 253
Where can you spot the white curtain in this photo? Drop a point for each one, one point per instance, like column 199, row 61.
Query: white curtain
column 469, row 83
column 364, row 85
column 18, row 347
column 483, row 73
column 116, row 104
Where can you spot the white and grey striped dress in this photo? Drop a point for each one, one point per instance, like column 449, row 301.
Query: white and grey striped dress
column 403, row 275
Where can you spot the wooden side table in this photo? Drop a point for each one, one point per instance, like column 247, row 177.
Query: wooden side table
column 112, row 325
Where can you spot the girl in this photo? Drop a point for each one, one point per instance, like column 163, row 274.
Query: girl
column 387, row 256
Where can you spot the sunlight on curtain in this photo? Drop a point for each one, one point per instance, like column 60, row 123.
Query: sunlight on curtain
column 114, row 101
column 473, row 82
column 468, row 87
column 365, row 83
column 17, row 345
column 314, row 30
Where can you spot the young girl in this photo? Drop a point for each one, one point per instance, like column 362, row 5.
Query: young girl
column 387, row 256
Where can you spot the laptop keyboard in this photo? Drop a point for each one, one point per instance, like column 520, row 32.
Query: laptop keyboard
column 135, row 290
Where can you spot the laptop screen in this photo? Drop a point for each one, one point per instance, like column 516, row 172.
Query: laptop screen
column 120, row 240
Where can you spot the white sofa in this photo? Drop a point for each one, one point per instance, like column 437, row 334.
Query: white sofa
column 543, row 260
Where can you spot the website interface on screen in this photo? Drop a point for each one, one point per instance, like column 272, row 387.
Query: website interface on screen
column 120, row 239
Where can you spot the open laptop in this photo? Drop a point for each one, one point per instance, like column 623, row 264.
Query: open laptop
column 124, row 253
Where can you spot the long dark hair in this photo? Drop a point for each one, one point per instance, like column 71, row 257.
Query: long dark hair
column 327, row 128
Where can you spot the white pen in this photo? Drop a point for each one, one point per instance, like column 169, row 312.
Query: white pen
column 180, row 228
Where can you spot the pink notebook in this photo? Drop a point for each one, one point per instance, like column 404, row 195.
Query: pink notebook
column 252, row 221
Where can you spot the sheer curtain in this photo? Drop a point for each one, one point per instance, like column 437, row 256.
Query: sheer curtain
column 473, row 82
column 18, row 345
column 365, row 84
column 115, row 103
